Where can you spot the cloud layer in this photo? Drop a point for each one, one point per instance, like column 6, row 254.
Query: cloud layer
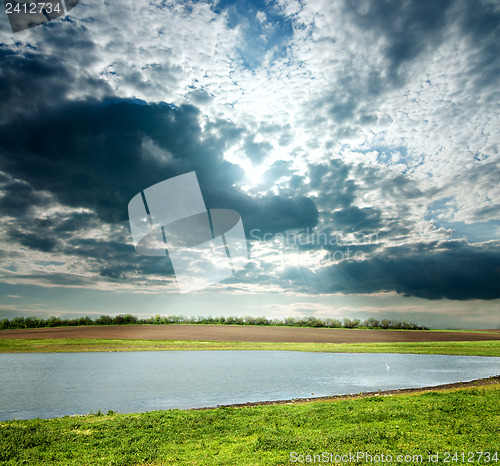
column 344, row 120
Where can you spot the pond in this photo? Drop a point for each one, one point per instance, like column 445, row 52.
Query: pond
column 48, row 385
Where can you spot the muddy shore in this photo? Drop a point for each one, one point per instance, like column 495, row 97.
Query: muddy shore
column 402, row 391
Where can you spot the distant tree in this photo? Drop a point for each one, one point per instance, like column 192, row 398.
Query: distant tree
column 17, row 322
column 261, row 321
column 313, row 322
column 333, row 323
column 118, row 320
column 129, row 319
column 385, row 323
column 29, row 322
column 310, row 321
column 104, row 320
column 85, row 321
column 54, row 322
column 290, row 321
column 240, row 321
column 348, row 323
column 371, row 323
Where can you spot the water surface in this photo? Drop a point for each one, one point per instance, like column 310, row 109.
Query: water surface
column 48, row 385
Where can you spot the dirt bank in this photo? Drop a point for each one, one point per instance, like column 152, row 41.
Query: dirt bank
column 402, row 391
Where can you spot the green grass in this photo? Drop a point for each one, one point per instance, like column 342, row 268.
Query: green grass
column 459, row 420
column 471, row 348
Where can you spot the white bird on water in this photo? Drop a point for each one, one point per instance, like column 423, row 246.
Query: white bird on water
column 387, row 367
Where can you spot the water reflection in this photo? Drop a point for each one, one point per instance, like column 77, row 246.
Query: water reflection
column 55, row 384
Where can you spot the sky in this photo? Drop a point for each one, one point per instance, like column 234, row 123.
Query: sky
column 359, row 142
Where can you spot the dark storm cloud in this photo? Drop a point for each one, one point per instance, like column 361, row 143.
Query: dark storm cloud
column 31, row 82
column 57, row 279
column 431, row 270
column 115, row 258
column 74, row 222
column 453, row 270
column 93, row 157
column 225, row 131
column 86, row 155
column 64, row 39
column 412, row 32
column 112, row 273
column 340, row 187
column 273, row 214
column 365, row 220
column 111, row 256
column 332, row 182
column 98, row 155
column 18, row 198
column 409, row 27
column 27, row 228
column 99, row 248
column 480, row 23
column 34, row 240
column 415, row 27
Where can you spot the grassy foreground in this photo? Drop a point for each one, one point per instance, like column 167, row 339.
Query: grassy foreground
column 459, row 420
column 470, row 348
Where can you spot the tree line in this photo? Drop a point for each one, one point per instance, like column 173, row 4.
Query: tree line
column 127, row 319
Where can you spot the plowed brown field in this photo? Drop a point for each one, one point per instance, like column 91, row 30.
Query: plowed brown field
column 249, row 334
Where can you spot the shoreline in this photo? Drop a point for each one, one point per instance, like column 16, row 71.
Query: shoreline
column 495, row 379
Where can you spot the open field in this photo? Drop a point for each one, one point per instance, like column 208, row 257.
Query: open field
column 224, row 337
column 245, row 333
column 427, row 421
column 470, row 348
